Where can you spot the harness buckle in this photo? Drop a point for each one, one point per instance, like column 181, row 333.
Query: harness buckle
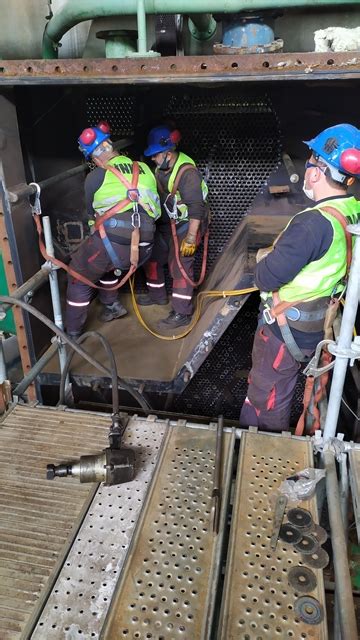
column 268, row 318
column 293, row 314
column 135, row 219
column 172, row 213
column 133, row 194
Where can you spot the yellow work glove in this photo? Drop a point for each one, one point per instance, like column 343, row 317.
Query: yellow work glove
column 188, row 246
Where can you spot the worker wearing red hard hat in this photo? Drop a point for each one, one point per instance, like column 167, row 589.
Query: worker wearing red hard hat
column 183, row 195
column 123, row 203
column 301, row 277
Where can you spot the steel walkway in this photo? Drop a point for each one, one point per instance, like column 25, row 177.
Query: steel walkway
column 257, row 599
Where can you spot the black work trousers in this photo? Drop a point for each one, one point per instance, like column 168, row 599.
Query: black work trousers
column 164, row 253
column 92, row 261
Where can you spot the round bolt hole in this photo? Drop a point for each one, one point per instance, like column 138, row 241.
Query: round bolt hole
column 114, row 67
column 173, row 67
column 330, row 62
column 234, row 65
column 203, row 65
column 266, row 64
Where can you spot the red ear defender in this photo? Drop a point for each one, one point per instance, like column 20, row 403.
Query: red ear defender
column 88, row 136
column 175, row 136
column 350, row 161
column 103, row 126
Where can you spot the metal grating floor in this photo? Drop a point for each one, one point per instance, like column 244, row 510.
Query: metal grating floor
column 168, row 585
column 82, row 594
column 38, row 518
column 354, row 459
column 258, row 602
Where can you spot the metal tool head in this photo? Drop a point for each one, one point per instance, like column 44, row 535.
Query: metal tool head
column 289, row 533
column 300, row 518
column 309, row 610
column 307, row 545
column 319, row 559
column 302, row 579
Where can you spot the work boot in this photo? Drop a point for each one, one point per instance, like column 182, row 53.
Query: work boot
column 112, row 312
column 174, row 320
column 145, row 300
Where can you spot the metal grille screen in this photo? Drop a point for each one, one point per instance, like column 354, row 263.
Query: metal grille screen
column 233, row 136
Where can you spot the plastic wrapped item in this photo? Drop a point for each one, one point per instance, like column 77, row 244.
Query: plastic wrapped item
column 302, row 485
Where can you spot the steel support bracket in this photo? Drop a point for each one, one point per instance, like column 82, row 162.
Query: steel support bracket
column 351, row 354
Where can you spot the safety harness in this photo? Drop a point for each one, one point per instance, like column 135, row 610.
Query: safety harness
column 315, row 386
column 174, row 220
column 132, row 197
column 282, row 311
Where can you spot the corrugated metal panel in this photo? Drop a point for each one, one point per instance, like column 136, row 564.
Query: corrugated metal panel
column 39, row 518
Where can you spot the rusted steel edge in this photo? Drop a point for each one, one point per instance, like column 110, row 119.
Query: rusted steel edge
column 181, row 68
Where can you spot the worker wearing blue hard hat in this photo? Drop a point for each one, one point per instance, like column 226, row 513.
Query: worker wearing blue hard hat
column 122, row 205
column 302, row 276
column 180, row 229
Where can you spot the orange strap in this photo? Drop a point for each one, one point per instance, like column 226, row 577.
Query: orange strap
column 178, row 259
column 344, row 222
column 72, row 272
column 309, row 386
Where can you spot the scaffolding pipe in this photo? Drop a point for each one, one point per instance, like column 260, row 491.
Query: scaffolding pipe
column 54, row 290
column 340, row 558
column 36, row 370
column 27, row 288
column 76, row 11
column 344, row 503
column 345, row 337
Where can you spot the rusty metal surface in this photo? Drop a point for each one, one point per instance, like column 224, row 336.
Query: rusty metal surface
column 167, row 589
column 39, row 518
column 354, row 460
column 82, row 593
column 181, row 68
column 257, row 600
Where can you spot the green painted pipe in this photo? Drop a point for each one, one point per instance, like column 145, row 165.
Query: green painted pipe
column 202, row 26
column 76, row 11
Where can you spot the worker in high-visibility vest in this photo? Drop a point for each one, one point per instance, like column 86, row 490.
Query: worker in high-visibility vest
column 300, row 275
column 183, row 195
column 123, row 203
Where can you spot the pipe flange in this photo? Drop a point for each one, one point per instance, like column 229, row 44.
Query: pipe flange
column 300, row 518
column 319, row 533
column 309, row 610
column 302, row 579
column 289, row 533
column 307, row 545
column 319, row 559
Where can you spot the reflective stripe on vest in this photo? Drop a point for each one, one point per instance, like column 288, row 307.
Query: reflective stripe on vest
column 113, row 191
column 182, row 207
column 322, row 277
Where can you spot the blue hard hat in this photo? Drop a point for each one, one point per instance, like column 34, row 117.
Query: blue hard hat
column 161, row 139
column 339, row 148
column 92, row 137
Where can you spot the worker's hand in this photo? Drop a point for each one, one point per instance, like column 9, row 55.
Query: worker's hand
column 188, row 245
column 262, row 253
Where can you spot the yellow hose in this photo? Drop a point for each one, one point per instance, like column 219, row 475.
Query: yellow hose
column 199, row 301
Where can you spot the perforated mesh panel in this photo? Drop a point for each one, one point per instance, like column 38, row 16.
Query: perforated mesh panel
column 233, row 137
column 220, row 384
column 258, row 600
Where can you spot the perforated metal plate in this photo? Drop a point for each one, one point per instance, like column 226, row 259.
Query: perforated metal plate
column 168, row 586
column 82, row 594
column 257, row 601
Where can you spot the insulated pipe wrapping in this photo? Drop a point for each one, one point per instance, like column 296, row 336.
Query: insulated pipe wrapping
column 76, row 11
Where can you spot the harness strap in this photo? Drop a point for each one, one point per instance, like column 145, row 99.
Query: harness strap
column 344, row 222
column 178, row 259
column 286, row 331
column 132, row 197
column 72, row 272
